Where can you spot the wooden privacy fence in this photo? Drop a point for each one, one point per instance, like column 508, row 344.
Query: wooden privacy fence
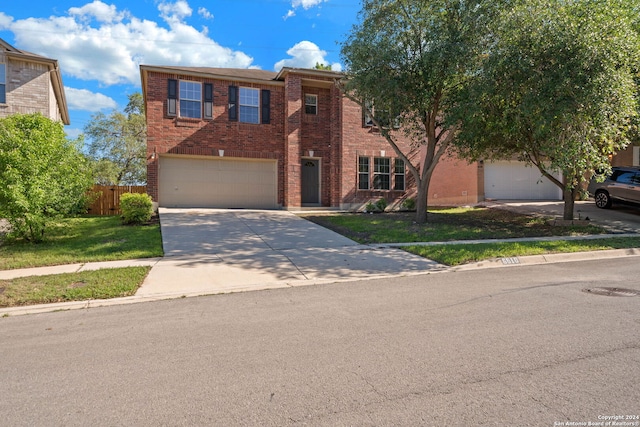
column 107, row 198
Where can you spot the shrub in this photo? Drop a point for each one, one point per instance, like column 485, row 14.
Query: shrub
column 381, row 204
column 370, row 207
column 136, row 208
column 378, row 206
column 409, row 204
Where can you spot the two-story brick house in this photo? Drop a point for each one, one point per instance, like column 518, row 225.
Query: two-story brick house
column 246, row 138
column 30, row 83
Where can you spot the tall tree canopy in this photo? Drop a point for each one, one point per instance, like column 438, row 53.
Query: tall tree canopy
column 118, row 144
column 43, row 175
column 409, row 59
column 555, row 88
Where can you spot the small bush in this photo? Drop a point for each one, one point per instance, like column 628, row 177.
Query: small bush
column 381, row 204
column 370, row 207
column 409, row 204
column 136, row 208
column 378, row 206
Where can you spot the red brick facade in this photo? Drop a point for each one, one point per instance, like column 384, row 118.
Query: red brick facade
column 335, row 137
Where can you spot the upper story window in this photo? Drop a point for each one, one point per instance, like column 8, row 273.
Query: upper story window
column 3, row 83
column 190, row 99
column 311, row 104
column 384, row 117
column 249, row 105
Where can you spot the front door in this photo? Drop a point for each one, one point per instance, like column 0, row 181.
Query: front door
column 310, row 182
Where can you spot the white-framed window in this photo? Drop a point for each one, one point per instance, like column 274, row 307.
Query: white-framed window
column 363, row 173
column 3, row 83
column 190, row 99
column 249, row 105
column 398, row 175
column 384, row 117
column 311, row 104
column 381, row 173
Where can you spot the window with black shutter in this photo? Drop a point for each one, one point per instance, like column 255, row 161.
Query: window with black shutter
column 172, row 97
column 233, row 103
column 266, row 106
column 208, row 101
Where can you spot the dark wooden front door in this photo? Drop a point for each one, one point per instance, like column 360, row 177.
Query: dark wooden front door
column 310, row 182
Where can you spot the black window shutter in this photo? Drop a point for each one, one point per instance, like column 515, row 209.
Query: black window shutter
column 172, row 90
column 208, row 100
column 233, row 103
column 266, row 106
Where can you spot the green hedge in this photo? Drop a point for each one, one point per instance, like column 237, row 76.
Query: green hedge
column 136, row 208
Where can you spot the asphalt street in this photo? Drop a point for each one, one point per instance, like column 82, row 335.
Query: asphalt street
column 521, row 346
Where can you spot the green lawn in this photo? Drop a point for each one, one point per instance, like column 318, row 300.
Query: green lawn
column 84, row 239
column 457, row 254
column 85, row 285
column 445, row 225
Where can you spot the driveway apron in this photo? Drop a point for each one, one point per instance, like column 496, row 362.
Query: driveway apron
column 214, row 250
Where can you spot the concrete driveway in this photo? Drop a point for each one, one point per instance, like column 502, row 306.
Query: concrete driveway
column 214, row 250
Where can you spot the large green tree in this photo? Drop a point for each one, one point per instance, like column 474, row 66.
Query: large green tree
column 43, row 175
column 555, row 89
column 117, row 144
column 406, row 61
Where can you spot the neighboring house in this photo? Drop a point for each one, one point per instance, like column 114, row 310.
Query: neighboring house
column 630, row 156
column 246, row 138
column 30, row 83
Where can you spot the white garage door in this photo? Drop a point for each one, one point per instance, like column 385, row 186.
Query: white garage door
column 510, row 180
column 217, row 182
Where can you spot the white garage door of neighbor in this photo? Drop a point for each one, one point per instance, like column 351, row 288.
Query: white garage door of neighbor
column 217, row 183
column 510, row 180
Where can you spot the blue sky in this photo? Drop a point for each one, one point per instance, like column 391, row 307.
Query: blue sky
column 100, row 44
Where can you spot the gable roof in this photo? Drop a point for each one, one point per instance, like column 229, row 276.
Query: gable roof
column 237, row 74
column 54, row 72
column 241, row 74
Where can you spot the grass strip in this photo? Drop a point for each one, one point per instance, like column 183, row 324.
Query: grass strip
column 457, row 254
column 84, row 285
column 83, row 239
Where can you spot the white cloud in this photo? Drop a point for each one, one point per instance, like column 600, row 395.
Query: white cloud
column 305, row 54
column 85, row 100
column 306, row 4
column 99, row 10
column 5, row 21
column 178, row 10
column 205, row 13
column 289, row 14
column 111, row 47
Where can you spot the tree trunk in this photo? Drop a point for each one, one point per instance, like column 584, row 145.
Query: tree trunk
column 569, row 197
column 421, row 200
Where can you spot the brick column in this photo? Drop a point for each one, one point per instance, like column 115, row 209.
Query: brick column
column 292, row 154
column 336, row 146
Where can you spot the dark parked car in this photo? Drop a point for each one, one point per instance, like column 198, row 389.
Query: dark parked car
column 622, row 185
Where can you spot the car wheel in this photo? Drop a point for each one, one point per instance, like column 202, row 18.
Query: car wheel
column 603, row 201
